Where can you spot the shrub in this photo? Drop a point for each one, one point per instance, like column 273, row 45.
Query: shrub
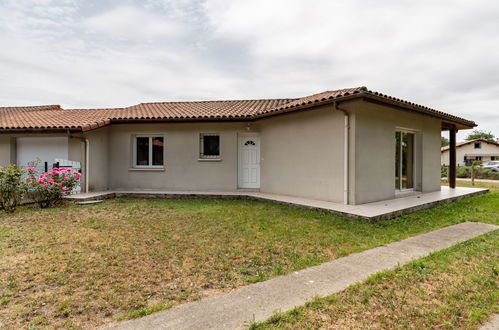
column 12, row 187
column 49, row 187
column 443, row 171
column 480, row 173
column 463, row 172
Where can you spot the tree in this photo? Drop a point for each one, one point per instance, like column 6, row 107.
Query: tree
column 476, row 134
column 445, row 141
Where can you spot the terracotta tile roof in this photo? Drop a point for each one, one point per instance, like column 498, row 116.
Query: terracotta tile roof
column 201, row 109
column 358, row 92
column 462, row 143
column 53, row 117
column 16, row 110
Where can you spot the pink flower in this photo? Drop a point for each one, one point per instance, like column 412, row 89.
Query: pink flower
column 31, row 169
column 63, row 188
column 59, row 184
column 66, row 178
column 45, row 186
column 40, row 181
column 51, row 180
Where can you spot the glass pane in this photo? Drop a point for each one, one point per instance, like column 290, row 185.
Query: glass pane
column 407, row 160
column 397, row 160
column 211, row 145
column 142, row 151
column 157, row 151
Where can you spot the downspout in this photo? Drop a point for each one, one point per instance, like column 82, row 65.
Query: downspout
column 87, row 163
column 346, row 152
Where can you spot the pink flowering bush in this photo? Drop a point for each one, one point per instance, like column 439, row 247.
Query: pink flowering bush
column 48, row 188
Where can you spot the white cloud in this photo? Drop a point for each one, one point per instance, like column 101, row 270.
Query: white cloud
column 105, row 53
column 130, row 23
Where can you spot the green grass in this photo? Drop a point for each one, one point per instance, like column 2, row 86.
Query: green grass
column 456, row 288
column 87, row 266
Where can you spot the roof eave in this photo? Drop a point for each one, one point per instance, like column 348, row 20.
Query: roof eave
column 44, row 130
column 447, row 120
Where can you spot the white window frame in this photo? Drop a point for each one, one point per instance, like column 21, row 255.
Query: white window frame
column 150, row 136
column 477, row 145
column 202, row 156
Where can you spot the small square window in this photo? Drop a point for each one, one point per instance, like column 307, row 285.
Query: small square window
column 209, row 146
column 148, row 151
column 478, row 145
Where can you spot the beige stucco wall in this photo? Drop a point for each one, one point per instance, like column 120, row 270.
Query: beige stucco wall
column 98, row 158
column 6, row 150
column 487, row 150
column 183, row 169
column 372, row 156
column 302, row 154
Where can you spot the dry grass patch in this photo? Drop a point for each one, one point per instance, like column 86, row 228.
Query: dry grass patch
column 86, row 266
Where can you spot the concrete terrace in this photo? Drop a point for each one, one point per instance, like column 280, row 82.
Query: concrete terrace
column 375, row 211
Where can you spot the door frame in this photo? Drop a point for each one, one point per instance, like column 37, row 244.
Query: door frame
column 239, row 163
column 414, row 160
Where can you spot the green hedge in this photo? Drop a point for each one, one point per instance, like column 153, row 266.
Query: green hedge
column 480, row 173
column 465, row 172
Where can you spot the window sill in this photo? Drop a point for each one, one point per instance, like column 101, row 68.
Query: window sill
column 209, row 159
column 147, row 169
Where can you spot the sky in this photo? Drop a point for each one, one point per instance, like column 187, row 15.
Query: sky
column 107, row 53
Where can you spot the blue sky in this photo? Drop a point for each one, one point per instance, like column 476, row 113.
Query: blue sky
column 443, row 54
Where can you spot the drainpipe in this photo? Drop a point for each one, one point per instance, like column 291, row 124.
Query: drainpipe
column 346, row 152
column 87, row 163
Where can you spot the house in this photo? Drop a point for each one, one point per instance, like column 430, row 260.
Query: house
column 349, row 146
column 467, row 152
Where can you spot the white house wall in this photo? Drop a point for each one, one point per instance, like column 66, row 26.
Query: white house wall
column 487, row 149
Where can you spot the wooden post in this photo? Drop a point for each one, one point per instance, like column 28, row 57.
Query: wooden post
column 452, row 157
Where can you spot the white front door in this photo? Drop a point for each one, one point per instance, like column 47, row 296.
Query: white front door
column 249, row 161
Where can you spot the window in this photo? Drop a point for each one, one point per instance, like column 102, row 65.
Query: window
column 478, row 145
column 478, row 158
column 494, row 158
column 404, row 160
column 209, row 147
column 148, row 151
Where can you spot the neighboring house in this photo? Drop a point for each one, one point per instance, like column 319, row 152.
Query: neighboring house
column 467, row 152
column 351, row 145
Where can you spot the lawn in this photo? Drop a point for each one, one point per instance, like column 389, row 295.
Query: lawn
column 456, row 288
column 478, row 184
column 88, row 266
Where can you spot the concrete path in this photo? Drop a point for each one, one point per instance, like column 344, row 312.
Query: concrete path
column 259, row 301
column 492, row 324
column 375, row 211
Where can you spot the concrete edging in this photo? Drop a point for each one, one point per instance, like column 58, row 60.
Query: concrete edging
column 293, row 202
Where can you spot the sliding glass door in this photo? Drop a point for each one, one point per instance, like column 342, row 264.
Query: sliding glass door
column 404, row 160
